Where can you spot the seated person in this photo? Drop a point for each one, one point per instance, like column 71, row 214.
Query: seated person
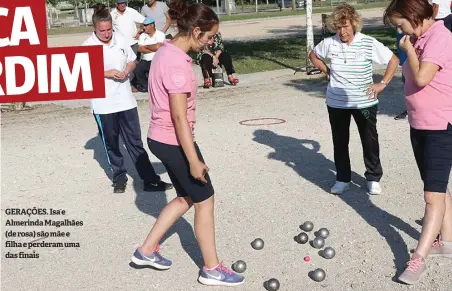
column 148, row 43
column 215, row 55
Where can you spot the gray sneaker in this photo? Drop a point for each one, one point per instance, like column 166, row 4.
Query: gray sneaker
column 440, row 250
column 416, row 269
column 154, row 260
column 220, row 276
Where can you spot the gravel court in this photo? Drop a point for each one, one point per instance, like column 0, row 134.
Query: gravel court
column 268, row 180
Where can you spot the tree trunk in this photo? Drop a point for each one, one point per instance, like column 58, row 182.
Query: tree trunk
column 309, row 32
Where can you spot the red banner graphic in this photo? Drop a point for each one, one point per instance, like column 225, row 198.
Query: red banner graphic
column 30, row 71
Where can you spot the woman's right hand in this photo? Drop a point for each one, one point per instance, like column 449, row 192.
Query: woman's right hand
column 198, row 170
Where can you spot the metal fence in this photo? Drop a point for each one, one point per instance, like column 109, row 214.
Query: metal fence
column 250, row 6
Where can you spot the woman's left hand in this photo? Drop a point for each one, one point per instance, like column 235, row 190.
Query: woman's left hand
column 374, row 89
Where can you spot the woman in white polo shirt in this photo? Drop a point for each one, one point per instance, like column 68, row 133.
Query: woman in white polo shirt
column 116, row 114
column 351, row 92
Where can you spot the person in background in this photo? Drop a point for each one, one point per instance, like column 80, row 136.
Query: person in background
column 428, row 97
column 215, row 55
column 159, row 11
column 441, row 11
column 116, row 115
column 402, row 58
column 149, row 42
column 125, row 21
column 352, row 92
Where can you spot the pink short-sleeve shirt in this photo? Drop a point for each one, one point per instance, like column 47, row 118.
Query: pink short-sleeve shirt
column 430, row 107
column 171, row 73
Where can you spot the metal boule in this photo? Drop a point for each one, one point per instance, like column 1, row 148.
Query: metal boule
column 257, row 244
column 239, row 266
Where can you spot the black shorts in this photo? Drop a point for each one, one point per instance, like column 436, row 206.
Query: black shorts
column 178, row 168
column 433, row 152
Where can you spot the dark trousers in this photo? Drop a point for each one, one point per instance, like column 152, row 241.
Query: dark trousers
column 141, row 75
column 447, row 21
column 134, row 47
column 125, row 124
column 366, row 121
column 207, row 64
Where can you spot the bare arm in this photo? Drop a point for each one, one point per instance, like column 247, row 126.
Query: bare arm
column 435, row 10
column 318, row 63
column 390, row 69
column 423, row 72
column 150, row 48
column 168, row 22
column 130, row 68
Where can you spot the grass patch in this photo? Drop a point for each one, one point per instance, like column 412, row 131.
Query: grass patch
column 282, row 53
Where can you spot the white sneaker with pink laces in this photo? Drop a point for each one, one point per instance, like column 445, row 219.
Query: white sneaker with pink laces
column 441, row 249
column 415, row 270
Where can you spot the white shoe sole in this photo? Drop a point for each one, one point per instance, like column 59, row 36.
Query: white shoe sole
column 373, row 192
column 440, row 256
column 340, row 192
column 148, row 263
column 409, row 282
column 213, row 282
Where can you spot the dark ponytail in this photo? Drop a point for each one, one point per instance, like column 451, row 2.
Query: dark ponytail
column 101, row 13
column 188, row 17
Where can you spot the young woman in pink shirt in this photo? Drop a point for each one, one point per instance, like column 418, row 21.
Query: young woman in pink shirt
column 172, row 94
column 428, row 96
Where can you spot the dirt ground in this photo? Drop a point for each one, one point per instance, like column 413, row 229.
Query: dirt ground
column 269, row 179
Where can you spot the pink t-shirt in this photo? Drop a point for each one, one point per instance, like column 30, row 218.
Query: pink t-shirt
column 171, row 73
column 430, row 107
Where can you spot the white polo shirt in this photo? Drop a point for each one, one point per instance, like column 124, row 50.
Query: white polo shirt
column 146, row 39
column 443, row 8
column 119, row 96
column 351, row 69
column 126, row 23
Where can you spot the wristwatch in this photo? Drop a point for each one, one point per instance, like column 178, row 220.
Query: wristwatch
column 383, row 82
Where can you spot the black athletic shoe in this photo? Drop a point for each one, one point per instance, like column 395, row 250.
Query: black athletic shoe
column 158, row 186
column 401, row 115
column 119, row 188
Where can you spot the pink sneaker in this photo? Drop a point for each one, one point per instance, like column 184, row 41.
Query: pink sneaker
column 440, row 250
column 416, row 268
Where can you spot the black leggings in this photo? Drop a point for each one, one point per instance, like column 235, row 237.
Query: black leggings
column 207, row 64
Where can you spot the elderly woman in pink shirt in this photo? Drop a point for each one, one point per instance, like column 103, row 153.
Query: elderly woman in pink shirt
column 428, row 90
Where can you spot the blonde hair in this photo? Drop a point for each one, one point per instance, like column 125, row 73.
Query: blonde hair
column 341, row 14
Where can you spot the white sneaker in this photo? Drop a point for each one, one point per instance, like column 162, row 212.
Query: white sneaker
column 340, row 187
column 374, row 188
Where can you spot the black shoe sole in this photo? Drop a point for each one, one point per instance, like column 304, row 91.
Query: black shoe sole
column 119, row 189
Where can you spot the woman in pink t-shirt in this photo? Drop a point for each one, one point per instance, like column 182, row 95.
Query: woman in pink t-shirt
column 428, row 96
column 172, row 95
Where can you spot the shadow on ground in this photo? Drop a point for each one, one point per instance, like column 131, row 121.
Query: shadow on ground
column 150, row 203
column 305, row 158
